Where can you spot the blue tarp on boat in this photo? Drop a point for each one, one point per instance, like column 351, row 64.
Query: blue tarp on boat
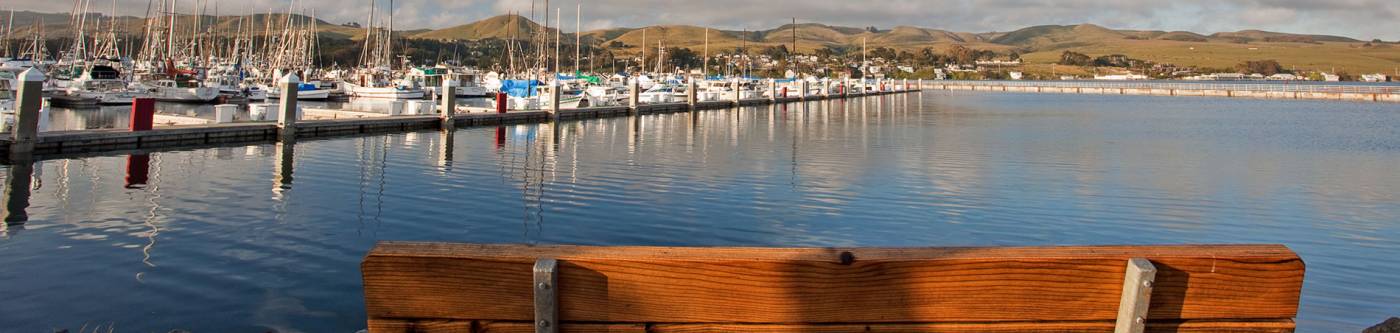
column 519, row 88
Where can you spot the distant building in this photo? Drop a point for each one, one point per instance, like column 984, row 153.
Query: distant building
column 1282, row 77
column 1121, row 77
column 999, row 62
column 1016, row 75
column 1373, row 77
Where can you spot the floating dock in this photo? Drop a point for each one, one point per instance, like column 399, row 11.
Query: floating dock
column 316, row 123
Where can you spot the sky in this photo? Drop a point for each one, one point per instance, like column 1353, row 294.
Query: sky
column 1363, row 19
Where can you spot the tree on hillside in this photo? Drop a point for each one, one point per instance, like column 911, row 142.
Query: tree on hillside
column 962, row 55
column 884, row 53
column 775, row 52
column 683, row 57
column 1265, row 67
column 1071, row 58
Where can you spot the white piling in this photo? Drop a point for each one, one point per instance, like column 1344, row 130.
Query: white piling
column 449, row 104
column 29, row 104
column 287, row 111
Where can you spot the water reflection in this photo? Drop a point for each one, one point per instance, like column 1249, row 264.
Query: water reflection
column 18, row 182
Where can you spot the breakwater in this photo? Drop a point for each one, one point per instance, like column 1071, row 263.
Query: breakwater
column 1369, row 93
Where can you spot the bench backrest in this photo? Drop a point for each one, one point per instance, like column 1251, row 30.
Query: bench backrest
column 440, row 287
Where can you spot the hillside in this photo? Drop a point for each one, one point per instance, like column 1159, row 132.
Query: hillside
column 58, row 26
column 1038, row 44
column 494, row 27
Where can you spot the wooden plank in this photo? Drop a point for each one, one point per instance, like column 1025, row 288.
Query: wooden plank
column 815, row 285
column 508, row 327
column 1010, row 327
column 1137, row 292
column 406, row 326
column 1275, row 326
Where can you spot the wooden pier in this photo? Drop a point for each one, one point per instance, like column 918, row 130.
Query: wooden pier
column 1300, row 91
column 319, row 123
column 441, row 287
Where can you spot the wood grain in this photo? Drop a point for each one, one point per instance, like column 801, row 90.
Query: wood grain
column 1277, row 326
column 813, row 285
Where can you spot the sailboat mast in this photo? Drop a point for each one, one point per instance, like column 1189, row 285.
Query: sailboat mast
column 389, row 50
column 558, row 34
column 170, row 42
column 369, row 32
column 578, row 36
column 642, row 65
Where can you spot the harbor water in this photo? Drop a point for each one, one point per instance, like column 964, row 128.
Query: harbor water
column 269, row 236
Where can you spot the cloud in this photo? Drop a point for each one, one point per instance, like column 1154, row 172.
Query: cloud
column 1354, row 18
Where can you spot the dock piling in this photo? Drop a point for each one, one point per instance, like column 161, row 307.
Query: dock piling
column 773, row 91
column 802, row 92
column 287, row 114
column 737, row 95
column 692, row 94
column 501, row 100
column 554, row 95
column 143, row 114
column 29, row 103
column 449, row 104
column 634, row 99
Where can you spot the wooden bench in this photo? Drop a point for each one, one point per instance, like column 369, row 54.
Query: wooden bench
column 438, row 287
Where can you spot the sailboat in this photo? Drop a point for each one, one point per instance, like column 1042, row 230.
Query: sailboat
column 164, row 79
column 377, row 78
column 100, row 75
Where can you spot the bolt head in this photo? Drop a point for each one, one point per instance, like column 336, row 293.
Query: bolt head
column 544, row 323
column 1141, row 320
column 544, row 285
column 1147, row 284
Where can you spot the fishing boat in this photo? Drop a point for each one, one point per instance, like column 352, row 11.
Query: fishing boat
column 384, row 91
column 305, row 91
column 104, row 84
column 179, row 90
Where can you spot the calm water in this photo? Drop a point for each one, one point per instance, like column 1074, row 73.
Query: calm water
column 259, row 237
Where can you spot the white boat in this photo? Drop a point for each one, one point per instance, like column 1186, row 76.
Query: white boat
column 306, row 92
column 395, row 93
column 178, row 91
column 1121, row 77
column 104, row 84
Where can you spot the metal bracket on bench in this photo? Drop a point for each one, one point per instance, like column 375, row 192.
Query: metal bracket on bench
column 546, row 295
column 1137, row 293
